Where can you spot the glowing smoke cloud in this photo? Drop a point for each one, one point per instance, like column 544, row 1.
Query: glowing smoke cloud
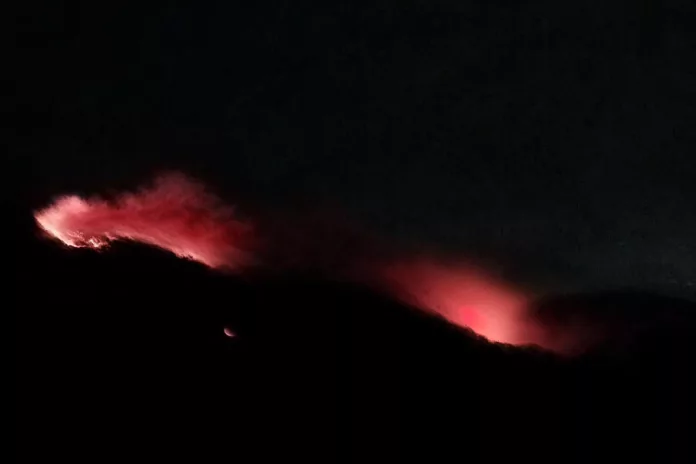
column 178, row 215
column 464, row 296
column 175, row 214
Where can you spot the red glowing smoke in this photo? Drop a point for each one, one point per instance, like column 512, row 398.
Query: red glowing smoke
column 175, row 214
column 464, row 295
column 179, row 215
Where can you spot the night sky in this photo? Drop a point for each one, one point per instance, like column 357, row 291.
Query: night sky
column 555, row 141
column 551, row 142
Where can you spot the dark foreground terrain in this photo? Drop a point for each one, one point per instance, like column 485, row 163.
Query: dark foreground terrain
column 122, row 357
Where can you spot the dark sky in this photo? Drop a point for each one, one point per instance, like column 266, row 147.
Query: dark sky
column 553, row 141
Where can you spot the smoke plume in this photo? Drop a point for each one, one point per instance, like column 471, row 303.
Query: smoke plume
column 179, row 215
column 175, row 213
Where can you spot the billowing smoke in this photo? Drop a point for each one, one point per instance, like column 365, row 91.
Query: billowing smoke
column 175, row 214
column 179, row 215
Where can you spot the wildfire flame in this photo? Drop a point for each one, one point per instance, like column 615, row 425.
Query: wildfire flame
column 176, row 214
